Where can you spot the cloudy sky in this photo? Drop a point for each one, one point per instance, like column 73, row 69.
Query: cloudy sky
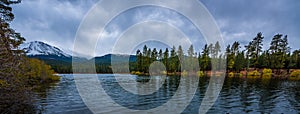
column 56, row 21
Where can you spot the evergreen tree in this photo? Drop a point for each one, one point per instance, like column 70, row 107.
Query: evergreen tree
column 148, row 60
column 191, row 60
column 278, row 52
column 205, row 58
column 166, row 58
column 230, row 58
column 14, row 94
column 285, row 52
column 216, row 49
column 295, row 59
column 211, row 50
column 191, row 51
column 257, row 48
column 145, row 50
column 254, row 49
column 173, row 60
column 160, row 55
column 180, row 57
column 199, row 60
column 239, row 61
column 154, row 55
column 139, row 60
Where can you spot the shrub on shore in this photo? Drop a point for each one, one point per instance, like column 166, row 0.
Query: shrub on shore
column 295, row 75
column 184, row 73
column 200, row 73
column 254, row 73
column 267, row 73
column 39, row 72
column 230, row 74
column 136, row 72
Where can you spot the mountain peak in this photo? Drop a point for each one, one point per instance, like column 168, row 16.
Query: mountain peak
column 41, row 48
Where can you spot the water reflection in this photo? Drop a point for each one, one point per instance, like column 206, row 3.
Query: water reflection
column 238, row 95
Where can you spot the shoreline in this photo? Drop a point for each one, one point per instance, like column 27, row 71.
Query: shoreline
column 242, row 74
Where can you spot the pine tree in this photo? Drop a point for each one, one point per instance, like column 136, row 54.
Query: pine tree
column 180, row 55
column 295, row 59
column 191, row 60
column 148, row 60
column 230, row 58
column 216, row 49
column 14, row 94
column 160, row 55
column 139, row 60
column 173, row 60
column 154, row 55
column 205, row 58
column 257, row 48
column 166, row 58
column 278, row 52
column 254, row 49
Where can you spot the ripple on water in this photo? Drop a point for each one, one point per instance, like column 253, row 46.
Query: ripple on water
column 237, row 96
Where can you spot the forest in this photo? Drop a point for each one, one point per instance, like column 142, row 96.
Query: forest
column 277, row 60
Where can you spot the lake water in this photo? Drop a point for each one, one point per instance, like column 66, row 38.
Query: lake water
column 237, row 96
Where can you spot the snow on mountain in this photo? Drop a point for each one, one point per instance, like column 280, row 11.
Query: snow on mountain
column 41, row 48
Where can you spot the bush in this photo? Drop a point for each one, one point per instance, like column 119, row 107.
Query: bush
column 132, row 72
column 171, row 73
column 231, row 74
column 267, row 73
column 53, row 78
column 37, row 71
column 254, row 73
column 240, row 74
column 184, row 73
column 200, row 73
column 164, row 72
column 295, row 73
column 136, row 73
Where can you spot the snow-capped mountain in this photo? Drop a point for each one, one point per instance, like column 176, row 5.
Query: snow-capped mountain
column 41, row 48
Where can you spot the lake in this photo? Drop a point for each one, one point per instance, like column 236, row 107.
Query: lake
column 237, row 95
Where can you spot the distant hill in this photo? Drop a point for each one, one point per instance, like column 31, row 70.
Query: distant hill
column 106, row 59
column 62, row 62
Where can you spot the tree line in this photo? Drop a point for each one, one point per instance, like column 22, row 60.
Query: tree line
column 278, row 56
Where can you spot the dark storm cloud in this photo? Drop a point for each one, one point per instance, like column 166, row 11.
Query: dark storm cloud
column 240, row 20
column 56, row 21
column 52, row 21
